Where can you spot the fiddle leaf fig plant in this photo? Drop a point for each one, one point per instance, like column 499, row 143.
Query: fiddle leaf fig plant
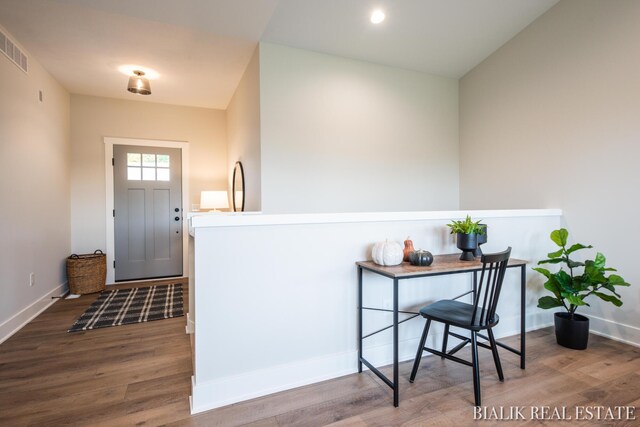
column 570, row 288
column 468, row 226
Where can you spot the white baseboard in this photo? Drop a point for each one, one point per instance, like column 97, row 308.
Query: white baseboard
column 249, row 385
column 534, row 321
column 621, row 332
column 190, row 327
column 616, row 331
column 225, row 391
column 17, row 321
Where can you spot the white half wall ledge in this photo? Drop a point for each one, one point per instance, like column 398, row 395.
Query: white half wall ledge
column 305, row 279
column 26, row 315
column 242, row 219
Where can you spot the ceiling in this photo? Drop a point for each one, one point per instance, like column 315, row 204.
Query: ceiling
column 200, row 48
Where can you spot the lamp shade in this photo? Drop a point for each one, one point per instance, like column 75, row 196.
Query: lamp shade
column 214, row 200
column 138, row 84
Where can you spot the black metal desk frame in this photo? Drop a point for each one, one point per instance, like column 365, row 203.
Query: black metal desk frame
column 425, row 272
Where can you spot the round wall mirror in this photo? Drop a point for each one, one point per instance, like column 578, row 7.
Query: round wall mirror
column 238, row 188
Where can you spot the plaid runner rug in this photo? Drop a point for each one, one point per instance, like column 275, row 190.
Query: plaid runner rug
column 135, row 305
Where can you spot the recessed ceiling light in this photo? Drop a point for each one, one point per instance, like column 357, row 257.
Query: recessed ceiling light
column 377, row 16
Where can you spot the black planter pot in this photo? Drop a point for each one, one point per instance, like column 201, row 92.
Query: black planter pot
column 467, row 243
column 572, row 332
column 482, row 239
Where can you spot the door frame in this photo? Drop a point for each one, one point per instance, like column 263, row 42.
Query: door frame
column 109, row 142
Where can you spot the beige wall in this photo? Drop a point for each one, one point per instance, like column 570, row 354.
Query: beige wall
column 34, row 190
column 243, row 132
column 552, row 119
column 340, row 135
column 93, row 118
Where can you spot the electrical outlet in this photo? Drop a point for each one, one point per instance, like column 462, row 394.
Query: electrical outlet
column 32, row 279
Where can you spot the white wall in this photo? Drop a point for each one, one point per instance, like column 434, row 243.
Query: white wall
column 93, row 118
column 243, row 133
column 340, row 135
column 34, row 189
column 285, row 289
column 552, row 119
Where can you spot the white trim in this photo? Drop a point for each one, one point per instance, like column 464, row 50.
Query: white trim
column 621, row 332
column 109, row 142
column 261, row 382
column 126, row 282
column 26, row 315
column 627, row 334
column 232, row 219
column 249, row 385
column 191, row 326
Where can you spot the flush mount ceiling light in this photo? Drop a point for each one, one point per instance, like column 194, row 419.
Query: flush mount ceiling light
column 139, row 84
column 128, row 69
column 377, row 16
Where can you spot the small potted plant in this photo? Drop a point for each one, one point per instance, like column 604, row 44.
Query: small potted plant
column 467, row 232
column 482, row 239
column 570, row 288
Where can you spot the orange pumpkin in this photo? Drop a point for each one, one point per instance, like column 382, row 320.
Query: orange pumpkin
column 408, row 248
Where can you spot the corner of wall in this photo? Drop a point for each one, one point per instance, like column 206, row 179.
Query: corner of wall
column 547, row 94
column 35, row 158
column 244, row 132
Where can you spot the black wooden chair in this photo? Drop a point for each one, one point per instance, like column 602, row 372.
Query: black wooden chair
column 474, row 317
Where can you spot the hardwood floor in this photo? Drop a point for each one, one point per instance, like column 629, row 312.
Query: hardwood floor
column 140, row 375
column 119, row 375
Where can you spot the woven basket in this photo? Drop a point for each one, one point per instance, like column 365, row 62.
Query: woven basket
column 87, row 273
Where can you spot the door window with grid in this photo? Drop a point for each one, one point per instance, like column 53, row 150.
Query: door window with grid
column 148, row 167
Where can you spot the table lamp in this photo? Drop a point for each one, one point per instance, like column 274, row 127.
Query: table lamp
column 214, row 200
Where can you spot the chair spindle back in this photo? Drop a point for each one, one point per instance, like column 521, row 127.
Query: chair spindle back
column 490, row 284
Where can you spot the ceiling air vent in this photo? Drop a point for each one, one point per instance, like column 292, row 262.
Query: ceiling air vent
column 13, row 52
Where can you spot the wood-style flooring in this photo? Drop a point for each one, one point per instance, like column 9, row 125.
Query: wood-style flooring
column 140, row 375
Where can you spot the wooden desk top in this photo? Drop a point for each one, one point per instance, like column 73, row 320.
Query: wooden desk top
column 442, row 264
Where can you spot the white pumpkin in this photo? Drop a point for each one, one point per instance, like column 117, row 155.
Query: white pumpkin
column 387, row 253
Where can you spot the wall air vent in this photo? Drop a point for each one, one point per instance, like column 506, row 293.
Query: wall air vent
column 13, row 52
